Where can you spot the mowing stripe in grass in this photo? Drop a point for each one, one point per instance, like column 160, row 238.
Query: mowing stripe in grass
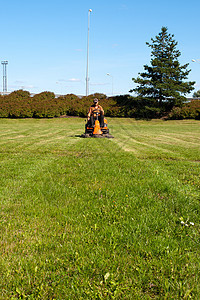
column 84, row 219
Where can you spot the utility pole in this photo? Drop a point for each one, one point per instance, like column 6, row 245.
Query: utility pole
column 87, row 71
column 4, row 63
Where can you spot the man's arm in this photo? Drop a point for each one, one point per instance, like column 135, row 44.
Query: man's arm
column 101, row 108
column 89, row 113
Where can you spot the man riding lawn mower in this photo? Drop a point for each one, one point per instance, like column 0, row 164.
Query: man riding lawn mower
column 97, row 125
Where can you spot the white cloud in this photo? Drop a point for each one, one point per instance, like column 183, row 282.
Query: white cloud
column 61, row 80
column 19, row 82
column 69, row 80
column 74, row 80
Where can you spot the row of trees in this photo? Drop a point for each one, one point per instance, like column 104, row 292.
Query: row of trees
column 20, row 104
column 160, row 92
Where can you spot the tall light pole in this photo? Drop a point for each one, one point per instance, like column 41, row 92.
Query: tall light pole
column 87, row 79
column 197, row 61
column 4, row 63
column 112, row 81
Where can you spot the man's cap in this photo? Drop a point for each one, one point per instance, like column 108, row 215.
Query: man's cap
column 96, row 100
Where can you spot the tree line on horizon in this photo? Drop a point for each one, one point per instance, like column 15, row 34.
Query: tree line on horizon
column 20, row 104
column 160, row 92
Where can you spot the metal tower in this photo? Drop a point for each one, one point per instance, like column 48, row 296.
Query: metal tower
column 4, row 63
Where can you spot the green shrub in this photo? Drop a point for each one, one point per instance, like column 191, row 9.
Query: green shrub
column 43, row 105
column 19, row 104
column 189, row 110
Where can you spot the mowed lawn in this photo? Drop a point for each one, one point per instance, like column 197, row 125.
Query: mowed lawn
column 99, row 218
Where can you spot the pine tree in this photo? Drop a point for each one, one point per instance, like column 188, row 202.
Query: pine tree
column 163, row 81
column 196, row 94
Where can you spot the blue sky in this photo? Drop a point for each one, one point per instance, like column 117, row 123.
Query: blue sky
column 45, row 42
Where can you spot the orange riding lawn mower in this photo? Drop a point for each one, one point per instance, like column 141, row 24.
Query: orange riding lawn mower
column 97, row 131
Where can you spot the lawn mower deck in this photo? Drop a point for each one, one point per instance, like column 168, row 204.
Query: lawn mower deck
column 97, row 131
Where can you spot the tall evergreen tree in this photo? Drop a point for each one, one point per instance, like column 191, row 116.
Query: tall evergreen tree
column 163, row 81
column 196, row 94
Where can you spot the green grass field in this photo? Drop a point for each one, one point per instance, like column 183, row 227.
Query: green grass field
column 99, row 218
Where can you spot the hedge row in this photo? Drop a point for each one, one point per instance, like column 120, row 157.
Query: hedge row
column 189, row 110
column 20, row 104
